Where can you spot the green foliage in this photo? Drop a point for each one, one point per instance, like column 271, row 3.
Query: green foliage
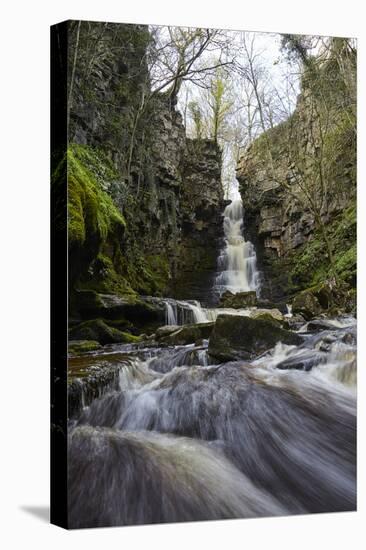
column 196, row 114
column 310, row 263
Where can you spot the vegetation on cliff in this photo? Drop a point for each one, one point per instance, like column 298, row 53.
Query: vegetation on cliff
column 298, row 179
column 158, row 118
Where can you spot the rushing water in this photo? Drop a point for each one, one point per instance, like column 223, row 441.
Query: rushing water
column 237, row 263
column 180, row 312
column 174, row 436
column 184, row 439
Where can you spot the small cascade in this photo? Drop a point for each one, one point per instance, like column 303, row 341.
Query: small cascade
column 237, row 263
column 179, row 312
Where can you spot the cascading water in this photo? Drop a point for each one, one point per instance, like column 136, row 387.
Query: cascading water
column 162, row 433
column 179, row 312
column 237, row 262
column 182, row 439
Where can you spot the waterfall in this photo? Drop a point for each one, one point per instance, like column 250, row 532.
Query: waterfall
column 179, row 312
column 237, row 262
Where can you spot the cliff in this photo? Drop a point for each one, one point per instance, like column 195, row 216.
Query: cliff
column 298, row 185
column 144, row 201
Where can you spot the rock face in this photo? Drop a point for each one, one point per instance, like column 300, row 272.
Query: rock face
column 290, row 248
column 239, row 300
column 201, row 207
column 236, row 337
column 307, row 304
column 166, row 187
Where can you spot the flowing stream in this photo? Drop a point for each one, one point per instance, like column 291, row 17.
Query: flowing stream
column 177, row 437
column 182, row 439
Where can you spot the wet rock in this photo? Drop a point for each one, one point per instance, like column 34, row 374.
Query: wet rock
column 139, row 310
column 166, row 330
column 239, row 300
column 273, row 315
column 82, row 346
column 88, row 381
column 350, row 338
column 320, row 324
column 238, row 337
column 190, row 334
column 295, row 322
column 98, row 330
column 304, row 361
column 307, row 304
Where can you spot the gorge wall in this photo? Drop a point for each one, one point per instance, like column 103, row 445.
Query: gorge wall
column 309, row 157
column 144, row 202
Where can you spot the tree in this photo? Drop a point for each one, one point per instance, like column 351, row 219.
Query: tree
column 217, row 98
column 175, row 55
column 197, row 117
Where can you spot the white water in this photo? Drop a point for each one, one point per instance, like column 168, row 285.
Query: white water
column 180, row 312
column 237, row 262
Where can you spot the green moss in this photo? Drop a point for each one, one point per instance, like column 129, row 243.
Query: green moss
column 90, row 209
column 103, row 277
column 346, row 265
column 98, row 330
column 83, row 346
column 310, row 263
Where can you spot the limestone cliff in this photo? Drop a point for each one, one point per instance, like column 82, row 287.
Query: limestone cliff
column 128, row 145
column 278, row 182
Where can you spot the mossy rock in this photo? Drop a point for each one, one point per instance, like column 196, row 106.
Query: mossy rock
column 307, row 304
column 83, row 346
column 98, row 330
column 189, row 334
column 237, row 337
column 128, row 308
column 240, row 300
column 272, row 315
column 166, row 330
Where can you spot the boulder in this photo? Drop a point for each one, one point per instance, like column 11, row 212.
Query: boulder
column 240, row 300
column 303, row 361
column 99, row 331
column 307, row 304
column 189, row 334
column 237, row 337
column 316, row 325
column 324, row 295
column 273, row 315
column 140, row 310
column 166, row 330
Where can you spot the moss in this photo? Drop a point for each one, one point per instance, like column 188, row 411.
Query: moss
column 103, row 277
column 83, row 346
column 98, row 330
column 90, row 208
column 310, row 265
column 346, row 265
column 237, row 337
